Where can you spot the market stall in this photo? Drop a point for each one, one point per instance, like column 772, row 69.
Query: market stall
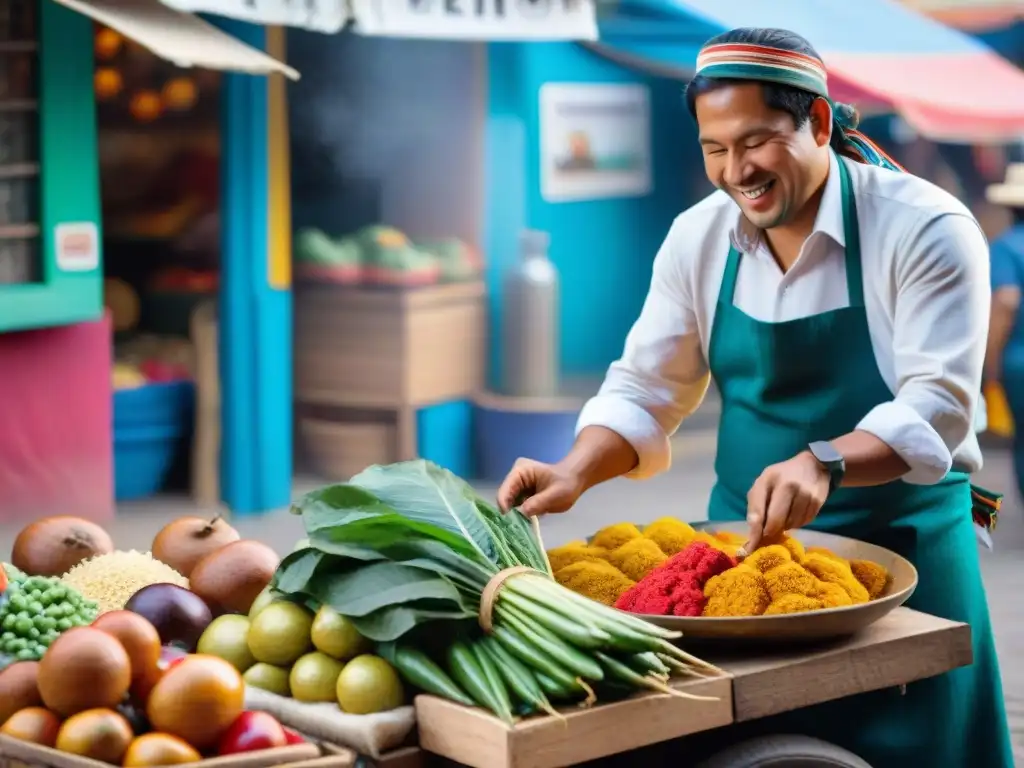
column 53, row 312
column 412, row 617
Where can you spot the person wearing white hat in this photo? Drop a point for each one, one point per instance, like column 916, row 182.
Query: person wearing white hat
column 1004, row 358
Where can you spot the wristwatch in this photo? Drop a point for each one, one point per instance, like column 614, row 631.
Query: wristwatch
column 832, row 460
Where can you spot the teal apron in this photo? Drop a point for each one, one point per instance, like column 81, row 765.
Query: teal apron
column 784, row 385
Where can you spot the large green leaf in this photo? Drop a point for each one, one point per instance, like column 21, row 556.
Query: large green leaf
column 378, row 585
column 380, row 531
column 336, row 505
column 296, row 570
column 425, row 492
column 393, row 622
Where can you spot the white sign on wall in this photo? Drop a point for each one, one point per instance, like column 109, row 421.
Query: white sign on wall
column 477, row 19
column 77, row 246
column 327, row 16
column 595, row 141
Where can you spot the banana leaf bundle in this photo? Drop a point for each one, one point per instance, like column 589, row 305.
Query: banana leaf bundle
column 461, row 599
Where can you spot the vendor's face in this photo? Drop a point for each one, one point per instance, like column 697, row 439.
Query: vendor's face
column 757, row 155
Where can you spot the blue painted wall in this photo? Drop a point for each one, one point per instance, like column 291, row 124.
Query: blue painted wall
column 604, row 249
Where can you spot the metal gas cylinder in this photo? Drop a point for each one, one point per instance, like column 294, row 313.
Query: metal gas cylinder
column 530, row 322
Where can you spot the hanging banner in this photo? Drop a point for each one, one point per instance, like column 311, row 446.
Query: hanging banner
column 328, row 16
column 477, row 19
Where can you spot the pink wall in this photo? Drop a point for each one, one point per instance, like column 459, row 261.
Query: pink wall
column 56, row 447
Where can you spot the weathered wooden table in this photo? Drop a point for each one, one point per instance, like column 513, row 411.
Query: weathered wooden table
column 903, row 647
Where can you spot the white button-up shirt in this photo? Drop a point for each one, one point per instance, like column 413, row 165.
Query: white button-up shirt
column 926, row 292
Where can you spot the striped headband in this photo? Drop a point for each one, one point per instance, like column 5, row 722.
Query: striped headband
column 748, row 61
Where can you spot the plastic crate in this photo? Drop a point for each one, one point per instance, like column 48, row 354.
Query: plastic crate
column 149, row 425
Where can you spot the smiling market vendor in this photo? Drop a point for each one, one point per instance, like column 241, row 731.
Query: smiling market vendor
column 841, row 306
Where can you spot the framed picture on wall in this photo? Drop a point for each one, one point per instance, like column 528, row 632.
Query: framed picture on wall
column 595, row 141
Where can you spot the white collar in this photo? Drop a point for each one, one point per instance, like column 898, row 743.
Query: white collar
column 746, row 238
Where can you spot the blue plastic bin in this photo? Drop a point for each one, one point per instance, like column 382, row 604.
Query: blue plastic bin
column 502, row 436
column 149, row 425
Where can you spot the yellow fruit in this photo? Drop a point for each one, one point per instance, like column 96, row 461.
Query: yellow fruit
column 368, row 684
column 335, row 635
column 315, row 678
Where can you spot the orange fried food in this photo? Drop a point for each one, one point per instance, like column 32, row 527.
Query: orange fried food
column 872, row 576
column 834, row 571
column 740, row 591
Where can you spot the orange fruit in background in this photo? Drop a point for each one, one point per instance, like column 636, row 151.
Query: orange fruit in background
column 107, row 83
column 34, row 724
column 180, row 94
column 107, row 43
column 146, row 106
column 197, row 700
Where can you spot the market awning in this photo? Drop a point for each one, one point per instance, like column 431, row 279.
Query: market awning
column 327, row 16
column 971, row 14
column 181, row 38
column 493, row 20
column 948, row 86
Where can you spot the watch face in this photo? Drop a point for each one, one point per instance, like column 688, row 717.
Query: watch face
column 825, row 453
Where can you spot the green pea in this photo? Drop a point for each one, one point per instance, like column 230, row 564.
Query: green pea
column 36, row 607
column 46, row 623
column 18, row 602
column 34, row 633
column 22, row 626
column 64, row 625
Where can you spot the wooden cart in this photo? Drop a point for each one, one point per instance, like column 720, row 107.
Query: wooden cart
column 902, row 647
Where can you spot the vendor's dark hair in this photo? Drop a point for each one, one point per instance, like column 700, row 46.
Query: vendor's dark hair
column 796, row 102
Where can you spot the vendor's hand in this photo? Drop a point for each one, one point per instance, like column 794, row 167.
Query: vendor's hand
column 539, row 489
column 786, row 496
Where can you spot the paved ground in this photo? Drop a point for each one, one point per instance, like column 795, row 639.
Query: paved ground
column 682, row 492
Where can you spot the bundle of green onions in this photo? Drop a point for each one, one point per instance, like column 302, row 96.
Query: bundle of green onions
column 440, row 579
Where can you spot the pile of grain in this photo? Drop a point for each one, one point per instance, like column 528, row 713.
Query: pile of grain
column 110, row 580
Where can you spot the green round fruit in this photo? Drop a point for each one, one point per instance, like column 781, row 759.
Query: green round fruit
column 267, row 677
column 314, row 678
column 368, row 684
column 280, row 634
column 263, row 599
column 227, row 638
column 335, row 635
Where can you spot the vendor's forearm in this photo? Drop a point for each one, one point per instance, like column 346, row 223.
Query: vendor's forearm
column 869, row 461
column 599, row 455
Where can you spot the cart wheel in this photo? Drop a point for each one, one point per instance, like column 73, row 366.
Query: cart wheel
column 785, row 751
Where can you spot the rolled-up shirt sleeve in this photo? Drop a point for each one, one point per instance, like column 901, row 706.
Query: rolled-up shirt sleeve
column 940, row 326
column 662, row 376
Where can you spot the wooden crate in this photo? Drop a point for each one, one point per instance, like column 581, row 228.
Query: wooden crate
column 24, row 755
column 391, row 350
column 340, row 449
column 474, row 738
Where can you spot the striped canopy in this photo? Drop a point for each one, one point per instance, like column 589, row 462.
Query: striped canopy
column 878, row 53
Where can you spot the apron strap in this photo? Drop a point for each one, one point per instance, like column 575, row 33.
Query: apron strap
column 851, row 232
column 732, row 269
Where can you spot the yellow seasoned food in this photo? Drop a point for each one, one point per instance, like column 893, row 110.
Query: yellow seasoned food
column 575, row 552
column 835, row 571
column 597, row 580
column 672, row 536
column 766, row 558
column 872, row 576
column 614, row 536
column 793, row 604
column 780, row 577
column 637, row 558
column 740, row 591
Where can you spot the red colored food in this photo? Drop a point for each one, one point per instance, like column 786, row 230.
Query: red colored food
column 676, row 588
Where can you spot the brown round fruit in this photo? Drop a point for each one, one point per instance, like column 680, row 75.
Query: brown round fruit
column 197, row 700
column 100, row 734
column 233, row 577
column 18, row 688
column 184, row 542
column 159, row 749
column 54, row 545
column 84, row 668
column 138, row 637
column 35, row 724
